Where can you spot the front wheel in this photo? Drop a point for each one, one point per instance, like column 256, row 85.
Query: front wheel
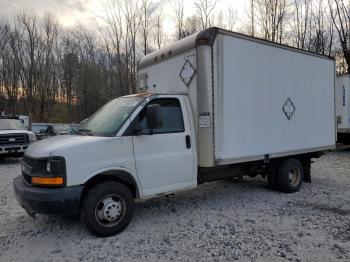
column 107, row 209
column 290, row 175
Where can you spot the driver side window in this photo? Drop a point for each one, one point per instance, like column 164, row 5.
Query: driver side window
column 171, row 114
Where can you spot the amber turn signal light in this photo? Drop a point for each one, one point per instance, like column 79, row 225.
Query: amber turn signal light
column 47, row 180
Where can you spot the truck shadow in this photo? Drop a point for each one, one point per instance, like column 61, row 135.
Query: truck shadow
column 9, row 161
column 215, row 196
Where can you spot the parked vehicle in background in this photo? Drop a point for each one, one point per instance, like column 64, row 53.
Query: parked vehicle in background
column 343, row 108
column 214, row 105
column 25, row 121
column 14, row 137
column 40, row 129
column 59, row 129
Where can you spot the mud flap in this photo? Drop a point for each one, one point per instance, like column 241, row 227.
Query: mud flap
column 307, row 170
column 272, row 175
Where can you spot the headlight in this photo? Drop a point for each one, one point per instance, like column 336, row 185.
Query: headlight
column 53, row 173
column 56, row 166
column 31, row 137
column 48, row 166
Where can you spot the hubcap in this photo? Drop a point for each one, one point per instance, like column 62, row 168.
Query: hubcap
column 294, row 176
column 109, row 210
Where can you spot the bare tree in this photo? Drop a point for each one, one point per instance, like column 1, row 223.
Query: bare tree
column 4, row 36
column 302, row 22
column 322, row 28
column 219, row 19
column 231, row 18
column 115, row 31
column 158, row 32
column 8, row 65
column 147, row 10
column 29, row 54
column 132, row 24
column 272, row 15
column 179, row 17
column 205, row 10
column 192, row 25
column 251, row 15
column 60, row 74
column 47, row 69
column 340, row 10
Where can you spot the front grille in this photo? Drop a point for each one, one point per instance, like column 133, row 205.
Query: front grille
column 28, row 161
column 13, row 139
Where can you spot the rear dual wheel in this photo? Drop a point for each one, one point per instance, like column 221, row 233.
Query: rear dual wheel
column 287, row 177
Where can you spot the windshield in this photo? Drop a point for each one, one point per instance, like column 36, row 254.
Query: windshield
column 11, row 124
column 110, row 118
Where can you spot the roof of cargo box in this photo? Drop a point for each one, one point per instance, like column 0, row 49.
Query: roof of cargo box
column 207, row 37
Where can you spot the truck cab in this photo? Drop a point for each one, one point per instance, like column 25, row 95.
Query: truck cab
column 144, row 144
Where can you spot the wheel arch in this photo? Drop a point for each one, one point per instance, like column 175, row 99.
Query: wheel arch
column 118, row 175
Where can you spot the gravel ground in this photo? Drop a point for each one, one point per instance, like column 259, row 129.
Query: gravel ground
column 220, row 221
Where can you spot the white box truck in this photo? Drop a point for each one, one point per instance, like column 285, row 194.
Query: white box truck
column 343, row 108
column 214, row 105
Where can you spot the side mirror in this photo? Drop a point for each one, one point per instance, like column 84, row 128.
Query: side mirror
column 154, row 117
column 137, row 130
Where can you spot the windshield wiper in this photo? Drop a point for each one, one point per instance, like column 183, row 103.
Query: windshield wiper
column 83, row 131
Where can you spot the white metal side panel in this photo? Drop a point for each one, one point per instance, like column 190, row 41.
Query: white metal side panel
column 164, row 77
column 256, row 81
column 343, row 101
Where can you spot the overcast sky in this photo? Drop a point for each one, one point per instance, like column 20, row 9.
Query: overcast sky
column 70, row 12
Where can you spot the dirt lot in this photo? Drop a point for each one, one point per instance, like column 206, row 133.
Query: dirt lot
column 223, row 220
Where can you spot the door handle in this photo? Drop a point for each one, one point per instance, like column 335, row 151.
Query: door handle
column 188, row 141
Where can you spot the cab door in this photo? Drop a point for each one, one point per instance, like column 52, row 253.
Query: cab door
column 164, row 155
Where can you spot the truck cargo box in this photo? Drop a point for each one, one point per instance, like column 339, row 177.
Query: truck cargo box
column 251, row 99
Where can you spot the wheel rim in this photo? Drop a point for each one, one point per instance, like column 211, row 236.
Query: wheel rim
column 294, row 176
column 110, row 210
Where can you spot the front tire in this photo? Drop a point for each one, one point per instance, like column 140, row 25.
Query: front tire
column 290, row 175
column 107, row 209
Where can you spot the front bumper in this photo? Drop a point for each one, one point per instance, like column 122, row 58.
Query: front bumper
column 13, row 150
column 64, row 200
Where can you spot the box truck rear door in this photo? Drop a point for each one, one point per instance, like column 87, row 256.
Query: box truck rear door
column 163, row 156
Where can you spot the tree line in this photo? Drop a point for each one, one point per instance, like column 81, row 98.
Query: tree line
column 58, row 74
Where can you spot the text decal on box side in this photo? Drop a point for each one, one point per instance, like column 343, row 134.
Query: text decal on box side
column 204, row 120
